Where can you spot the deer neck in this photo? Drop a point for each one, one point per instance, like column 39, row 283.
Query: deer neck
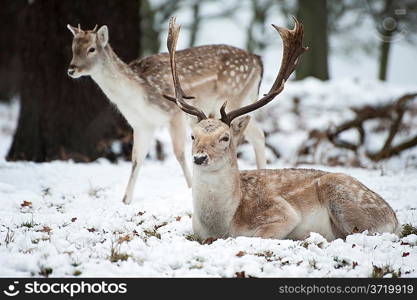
column 217, row 195
column 116, row 79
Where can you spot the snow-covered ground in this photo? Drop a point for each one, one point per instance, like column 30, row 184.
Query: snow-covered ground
column 67, row 219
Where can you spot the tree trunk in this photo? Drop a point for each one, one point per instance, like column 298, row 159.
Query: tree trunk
column 387, row 35
column 63, row 118
column 255, row 33
column 149, row 37
column 195, row 25
column 313, row 15
column 10, row 68
column 384, row 54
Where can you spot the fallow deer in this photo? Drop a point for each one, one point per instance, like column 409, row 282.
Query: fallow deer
column 283, row 203
column 211, row 73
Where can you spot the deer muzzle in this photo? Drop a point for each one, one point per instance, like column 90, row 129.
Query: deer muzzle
column 201, row 159
column 73, row 71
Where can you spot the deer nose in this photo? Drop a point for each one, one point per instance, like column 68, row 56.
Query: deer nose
column 71, row 70
column 200, row 159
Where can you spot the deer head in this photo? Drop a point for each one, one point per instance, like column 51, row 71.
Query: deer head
column 87, row 48
column 213, row 138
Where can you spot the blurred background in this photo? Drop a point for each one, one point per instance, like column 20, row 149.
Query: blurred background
column 351, row 101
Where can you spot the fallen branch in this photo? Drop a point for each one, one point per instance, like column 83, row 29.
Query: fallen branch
column 393, row 112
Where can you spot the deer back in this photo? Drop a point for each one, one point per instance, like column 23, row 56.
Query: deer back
column 207, row 73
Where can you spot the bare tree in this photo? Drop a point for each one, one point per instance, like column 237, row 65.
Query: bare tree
column 394, row 20
column 200, row 16
column 255, row 36
column 153, row 20
column 195, row 25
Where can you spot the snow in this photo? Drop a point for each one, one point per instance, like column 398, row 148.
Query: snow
column 76, row 217
column 65, row 218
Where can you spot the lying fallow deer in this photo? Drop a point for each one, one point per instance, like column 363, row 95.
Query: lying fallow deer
column 211, row 73
column 286, row 203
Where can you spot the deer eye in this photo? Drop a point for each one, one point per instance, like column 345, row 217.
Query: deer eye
column 91, row 50
column 224, row 139
column 192, row 137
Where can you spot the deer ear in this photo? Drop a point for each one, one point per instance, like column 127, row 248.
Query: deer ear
column 239, row 125
column 103, row 35
column 73, row 29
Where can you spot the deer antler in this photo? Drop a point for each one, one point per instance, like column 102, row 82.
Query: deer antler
column 292, row 50
column 179, row 93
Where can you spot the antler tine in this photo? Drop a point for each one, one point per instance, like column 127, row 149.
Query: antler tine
column 292, row 50
column 95, row 28
column 179, row 93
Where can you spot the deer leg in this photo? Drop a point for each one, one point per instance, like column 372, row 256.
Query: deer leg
column 281, row 223
column 141, row 143
column 177, row 132
column 274, row 231
column 256, row 138
column 277, row 230
column 354, row 208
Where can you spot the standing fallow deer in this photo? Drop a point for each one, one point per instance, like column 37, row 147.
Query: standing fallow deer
column 211, row 73
column 284, row 203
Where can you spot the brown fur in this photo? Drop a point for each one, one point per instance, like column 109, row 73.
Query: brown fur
column 283, row 203
column 260, row 188
column 196, row 65
column 303, row 189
